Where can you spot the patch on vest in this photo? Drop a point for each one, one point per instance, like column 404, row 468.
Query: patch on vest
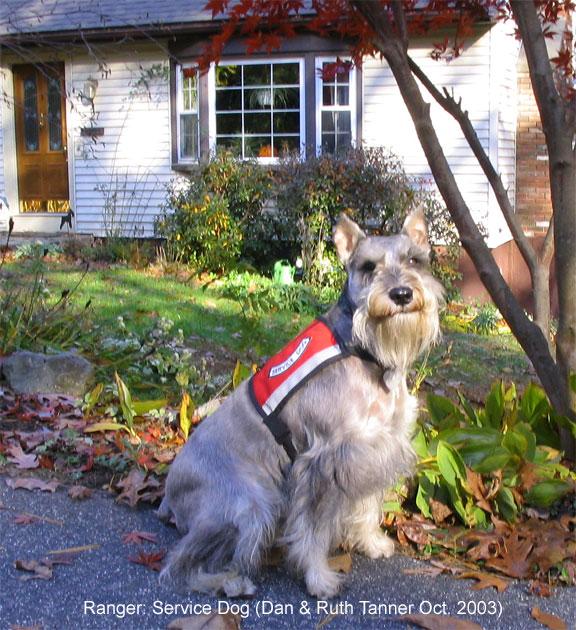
column 286, row 371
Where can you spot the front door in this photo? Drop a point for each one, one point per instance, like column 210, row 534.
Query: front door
column 40, row 116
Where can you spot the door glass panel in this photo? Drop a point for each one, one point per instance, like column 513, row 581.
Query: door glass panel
column 54, row 115
column 31, row 130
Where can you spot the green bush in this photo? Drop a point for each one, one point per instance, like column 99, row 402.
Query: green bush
column 493, row 460
column 201, row 230
column 371, row 186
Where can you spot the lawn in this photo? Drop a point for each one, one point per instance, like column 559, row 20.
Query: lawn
column 124, row 300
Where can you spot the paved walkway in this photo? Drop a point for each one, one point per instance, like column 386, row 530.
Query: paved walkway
column 96, row 589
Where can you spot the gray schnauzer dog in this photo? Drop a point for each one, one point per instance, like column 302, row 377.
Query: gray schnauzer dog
column 304, row 462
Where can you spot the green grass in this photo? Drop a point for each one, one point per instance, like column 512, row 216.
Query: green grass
column 139, row 298
column 463, row 360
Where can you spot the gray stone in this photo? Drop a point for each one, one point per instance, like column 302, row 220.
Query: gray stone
column 34, row 373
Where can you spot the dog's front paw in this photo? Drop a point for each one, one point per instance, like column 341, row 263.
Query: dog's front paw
column 377, row 546
column 323, row 583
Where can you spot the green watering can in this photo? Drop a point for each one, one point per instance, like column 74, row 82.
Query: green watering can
column 284, row 272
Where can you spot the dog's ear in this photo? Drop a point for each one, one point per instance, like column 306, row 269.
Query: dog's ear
column 415, row 228
column 347, row 235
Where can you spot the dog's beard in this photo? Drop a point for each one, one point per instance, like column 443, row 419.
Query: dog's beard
column 398, row 337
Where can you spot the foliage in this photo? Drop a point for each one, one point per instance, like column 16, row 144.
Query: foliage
column 258, row 295
column 32, row 318
column 371, row 186
column 200, row 227
column 486, row 320
column 490, row 462
column 37, row 250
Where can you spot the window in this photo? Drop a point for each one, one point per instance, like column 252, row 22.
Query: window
column 335, row 107
column 187, row 96
column 259, row 109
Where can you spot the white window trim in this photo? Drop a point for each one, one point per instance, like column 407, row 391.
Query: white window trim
column 180, row 110
column 248, row 62
column 319, row 107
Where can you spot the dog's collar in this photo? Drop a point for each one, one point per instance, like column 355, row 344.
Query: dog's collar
column 339, row 319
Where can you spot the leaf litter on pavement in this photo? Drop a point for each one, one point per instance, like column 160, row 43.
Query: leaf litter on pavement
column 49, row 440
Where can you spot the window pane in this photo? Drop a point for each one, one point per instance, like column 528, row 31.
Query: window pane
column 287, row 73
column 343, row 142
column 54, row 115
column 287, row 122
column 328, row 95
column 258, row 146
column 343, row 122
column 257, row 74
column 257, row 123
column 229, row 123
column 232, row 144
column 343, row 93
column 328, row 121
column 259, row 98
column 189, row 136
column 228, row 76
column 328, row 143
column 286, row 98
column 286, row 144
column 228, row 100
column 31, row 114
column 343, row 74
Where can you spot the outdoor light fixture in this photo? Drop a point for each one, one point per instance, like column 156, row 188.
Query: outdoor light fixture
column 89, row 91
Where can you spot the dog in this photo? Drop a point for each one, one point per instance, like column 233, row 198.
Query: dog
column 308, row 469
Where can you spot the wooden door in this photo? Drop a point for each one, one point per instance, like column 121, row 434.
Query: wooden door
column 40, row 116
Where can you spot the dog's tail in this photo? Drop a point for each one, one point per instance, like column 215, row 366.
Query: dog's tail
column 201, row 553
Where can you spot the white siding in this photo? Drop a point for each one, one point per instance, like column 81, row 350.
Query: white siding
column 120, row 178
column 3, row 208
column 387, row 122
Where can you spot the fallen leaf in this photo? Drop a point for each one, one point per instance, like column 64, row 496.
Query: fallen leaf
column 79, row 492
column 212, row 621
column 440, row 511
column 74, row 550
column 440, row 622
column 21, row 459
column 485, row 580
column 24, row 519
column 150, row 560
column 539, row 588
column 342, row 563
column 138, row 537
column 32, row 483
column 547, row 619
column 138, row 486
column 514, row 559
column 38, row 570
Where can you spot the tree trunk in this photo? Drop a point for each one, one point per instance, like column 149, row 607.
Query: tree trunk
column 528, row 334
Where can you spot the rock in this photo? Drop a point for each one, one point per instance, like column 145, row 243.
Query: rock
column 34, row 373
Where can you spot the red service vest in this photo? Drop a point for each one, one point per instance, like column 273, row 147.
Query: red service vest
column 285, row 372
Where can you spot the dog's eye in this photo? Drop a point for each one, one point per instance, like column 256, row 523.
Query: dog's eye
column 368, row 267
column 414, row 260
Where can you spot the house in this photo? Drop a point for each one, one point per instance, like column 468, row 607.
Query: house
column 103, row 105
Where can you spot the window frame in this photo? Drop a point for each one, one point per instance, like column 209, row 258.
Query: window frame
column 179, row 68
column 320, row 107
column 242, row 61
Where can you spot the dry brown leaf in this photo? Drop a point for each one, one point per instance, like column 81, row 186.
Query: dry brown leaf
column 21, row 459
column 37, row 570
column 341, row 563
column 514, row 560
column 138, row 486
column 151, row 561
column 485, row 580
column 547, row 619
column 79, row 492
column 539, row 588
column 440, row 622
column 138, row 537
column 32, row 483
column 212, row 621
column 440, row 511
column 427, row 570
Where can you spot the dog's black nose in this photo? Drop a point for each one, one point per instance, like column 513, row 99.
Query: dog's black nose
column 401, row 295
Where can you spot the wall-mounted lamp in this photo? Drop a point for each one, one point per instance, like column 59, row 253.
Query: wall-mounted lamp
column 89, row 91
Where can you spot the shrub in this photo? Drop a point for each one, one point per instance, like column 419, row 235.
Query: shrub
column 215, row 215
column 371, row 186
column 201, row 230
column 491, row 461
